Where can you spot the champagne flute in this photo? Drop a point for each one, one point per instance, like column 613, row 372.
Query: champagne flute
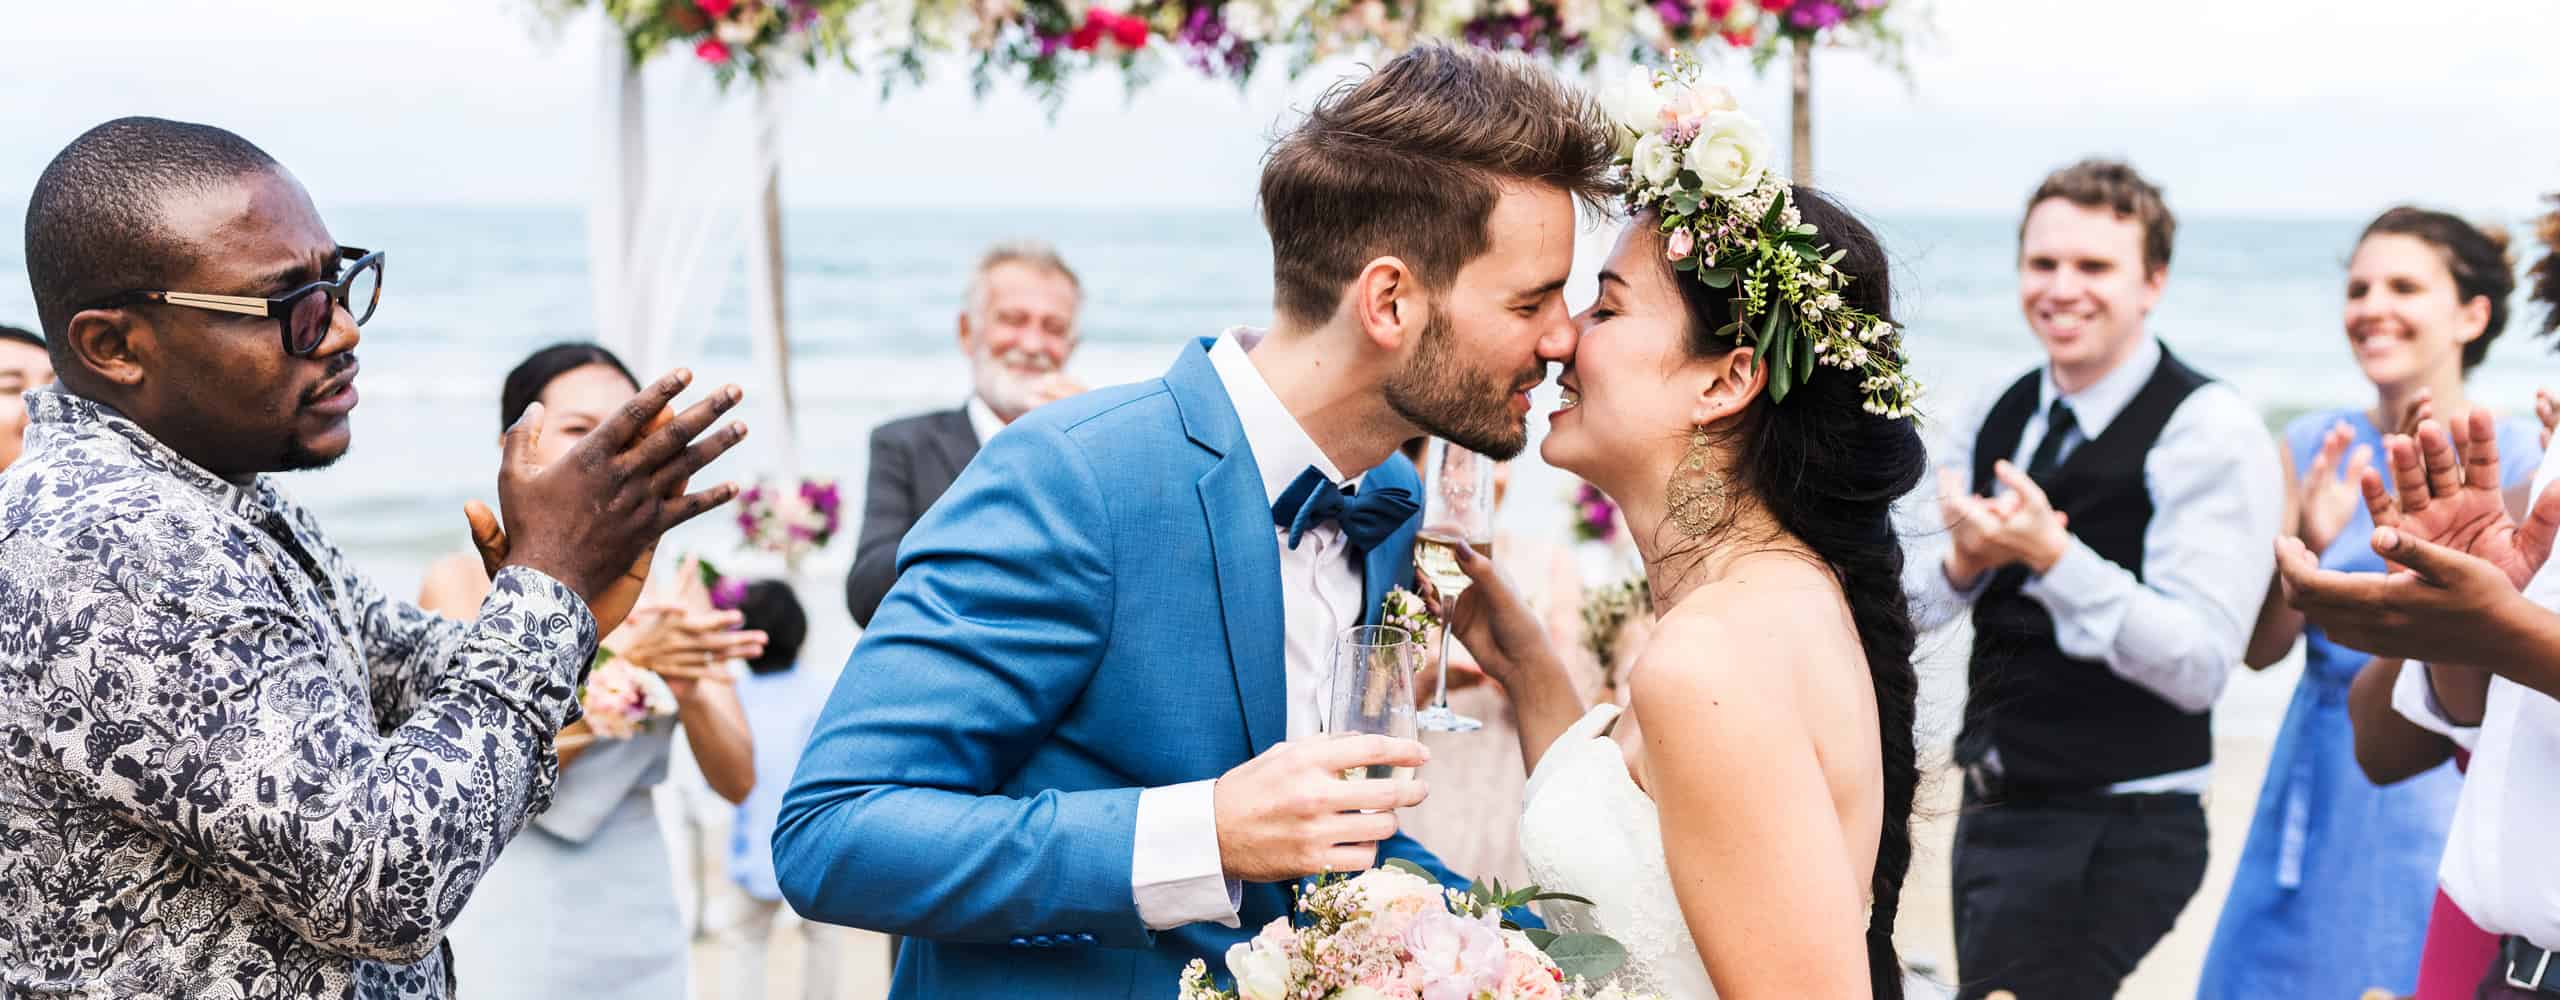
column 1370, row 689
column 1457, row 494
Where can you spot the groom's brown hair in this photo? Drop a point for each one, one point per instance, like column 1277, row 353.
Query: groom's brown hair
column 1409, row 162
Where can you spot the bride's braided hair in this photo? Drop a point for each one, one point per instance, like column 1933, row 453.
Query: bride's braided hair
column 1829, row 472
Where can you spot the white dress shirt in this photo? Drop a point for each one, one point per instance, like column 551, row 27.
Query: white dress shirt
column 983, row 419
column 2498, row 856
column 2216, row 495
column 1177, row 877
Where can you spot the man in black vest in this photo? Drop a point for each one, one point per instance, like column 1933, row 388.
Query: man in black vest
column 2109, row 520
column 1018, row 329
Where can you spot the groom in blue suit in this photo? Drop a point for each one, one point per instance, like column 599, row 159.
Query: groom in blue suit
column 1078, row 746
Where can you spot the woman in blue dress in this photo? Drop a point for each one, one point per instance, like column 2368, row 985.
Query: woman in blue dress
column 2333, row 891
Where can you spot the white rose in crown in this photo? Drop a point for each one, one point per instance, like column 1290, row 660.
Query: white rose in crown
column 1730, row 154
column 1656, row 160
column 1635, row 104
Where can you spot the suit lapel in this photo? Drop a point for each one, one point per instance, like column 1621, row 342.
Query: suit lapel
column 1246, row 557
column 956, row 439
column 1248, row 563
column 1390, row 565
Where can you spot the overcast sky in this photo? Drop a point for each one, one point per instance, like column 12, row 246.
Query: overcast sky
column 2269, row 108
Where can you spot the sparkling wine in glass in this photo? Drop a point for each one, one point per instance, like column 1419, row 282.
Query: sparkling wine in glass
column 1370, row 689
column 1457, row 506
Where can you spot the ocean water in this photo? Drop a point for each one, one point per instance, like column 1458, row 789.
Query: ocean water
column 872, row 295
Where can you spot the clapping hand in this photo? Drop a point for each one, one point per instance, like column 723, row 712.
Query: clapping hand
column 2449, row 495
column 2457, row 556
column 592, row 520
column 2019, row 527
column 2546, row 408
column 2325, row 499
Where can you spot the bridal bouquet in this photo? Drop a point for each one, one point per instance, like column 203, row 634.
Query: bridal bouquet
column 620, row 698
column 790, row 521
column 1393, row 933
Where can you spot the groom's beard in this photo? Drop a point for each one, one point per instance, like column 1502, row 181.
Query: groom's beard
column 1439, row 393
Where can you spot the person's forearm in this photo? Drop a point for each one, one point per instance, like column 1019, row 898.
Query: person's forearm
column 2279, row 627
column 1547, row 703
column 715, row 727
column 2389, row 748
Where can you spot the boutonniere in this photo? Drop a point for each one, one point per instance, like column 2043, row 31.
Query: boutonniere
column 1404, row 609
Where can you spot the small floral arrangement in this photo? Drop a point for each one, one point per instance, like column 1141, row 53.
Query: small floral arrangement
column 1404, row 609
column 790, row 522
column 1605, row 615
column 751, row 38
column 1393, row 933
column 1701, row 166
column 1595, row 516
column 620, row 699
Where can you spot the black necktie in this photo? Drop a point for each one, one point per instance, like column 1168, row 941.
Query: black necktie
column 1365, row 518
column 2058, row 426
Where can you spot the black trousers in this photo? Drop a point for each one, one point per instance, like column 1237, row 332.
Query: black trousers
column 2059, row 899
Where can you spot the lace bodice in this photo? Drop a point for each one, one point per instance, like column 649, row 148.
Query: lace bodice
column 1587, row 829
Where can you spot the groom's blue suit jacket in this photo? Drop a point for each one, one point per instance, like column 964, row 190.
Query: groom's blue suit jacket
column 1094, row 608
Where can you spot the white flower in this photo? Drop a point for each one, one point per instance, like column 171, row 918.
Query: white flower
column 1655, row 160
column 1515, row 8
column 1261, row 974
column 1829, row 300
column 1634, row 101
column 1247, row 20
column 1356, row 992
column 1730, row 155
column 1648, row 28
column 1575, row 17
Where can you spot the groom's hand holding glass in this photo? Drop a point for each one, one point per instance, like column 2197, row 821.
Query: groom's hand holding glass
column 2459, row 562
column 1288, row 813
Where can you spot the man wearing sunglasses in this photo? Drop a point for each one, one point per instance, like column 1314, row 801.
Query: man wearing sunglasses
column 228, row 764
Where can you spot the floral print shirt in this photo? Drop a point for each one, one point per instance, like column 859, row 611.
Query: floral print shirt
column 229, row 766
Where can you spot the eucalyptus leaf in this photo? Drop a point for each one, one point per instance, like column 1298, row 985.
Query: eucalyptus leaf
column 1834, row 259
column 1541, row 937
column 1585, row 956
column 1806, row 251
column 1805, row 229
column 1717, row 277
column 1410, row 868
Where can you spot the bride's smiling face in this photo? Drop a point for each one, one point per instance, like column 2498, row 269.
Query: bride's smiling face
column 1633, row 389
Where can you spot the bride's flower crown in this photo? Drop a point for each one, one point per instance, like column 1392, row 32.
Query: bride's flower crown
column 1702, row 166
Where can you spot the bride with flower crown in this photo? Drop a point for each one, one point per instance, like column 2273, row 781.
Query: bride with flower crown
column 1743, row 827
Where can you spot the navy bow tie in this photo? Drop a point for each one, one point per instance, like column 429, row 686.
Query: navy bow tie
column 1367, row 519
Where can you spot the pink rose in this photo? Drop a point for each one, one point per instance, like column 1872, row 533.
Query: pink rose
column 715, row 8
column 711, row 51
column 1458, row 957
column 1679, row 244
column 1526, row 978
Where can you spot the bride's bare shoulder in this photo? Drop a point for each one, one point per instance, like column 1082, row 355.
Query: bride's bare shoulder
column 1741, row 638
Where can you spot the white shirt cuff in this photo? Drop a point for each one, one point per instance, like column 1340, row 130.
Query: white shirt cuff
column 2076, row 581
column 1176, row 877
column 2414, row 697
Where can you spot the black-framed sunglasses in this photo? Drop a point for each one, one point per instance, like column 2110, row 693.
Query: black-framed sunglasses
column 302, row 315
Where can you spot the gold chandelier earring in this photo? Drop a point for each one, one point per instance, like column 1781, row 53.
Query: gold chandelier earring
column 1700, row 497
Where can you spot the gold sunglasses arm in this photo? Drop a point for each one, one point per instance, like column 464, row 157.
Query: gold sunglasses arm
column 219, row 303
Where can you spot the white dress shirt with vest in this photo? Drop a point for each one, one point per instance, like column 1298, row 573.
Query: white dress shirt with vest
column 2101, row 673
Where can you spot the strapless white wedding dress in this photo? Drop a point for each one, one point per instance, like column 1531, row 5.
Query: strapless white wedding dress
column 1587, row 829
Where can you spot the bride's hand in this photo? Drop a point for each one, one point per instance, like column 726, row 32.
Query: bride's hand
column 1492, row 621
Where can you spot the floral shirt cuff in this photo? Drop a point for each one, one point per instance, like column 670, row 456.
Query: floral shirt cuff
column 545, row 636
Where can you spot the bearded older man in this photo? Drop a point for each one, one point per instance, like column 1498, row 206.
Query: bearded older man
column 1017, row 331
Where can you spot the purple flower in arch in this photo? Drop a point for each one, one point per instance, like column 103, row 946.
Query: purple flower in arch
column 1674, row 14
column 728, row 592
column 1814, row 15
